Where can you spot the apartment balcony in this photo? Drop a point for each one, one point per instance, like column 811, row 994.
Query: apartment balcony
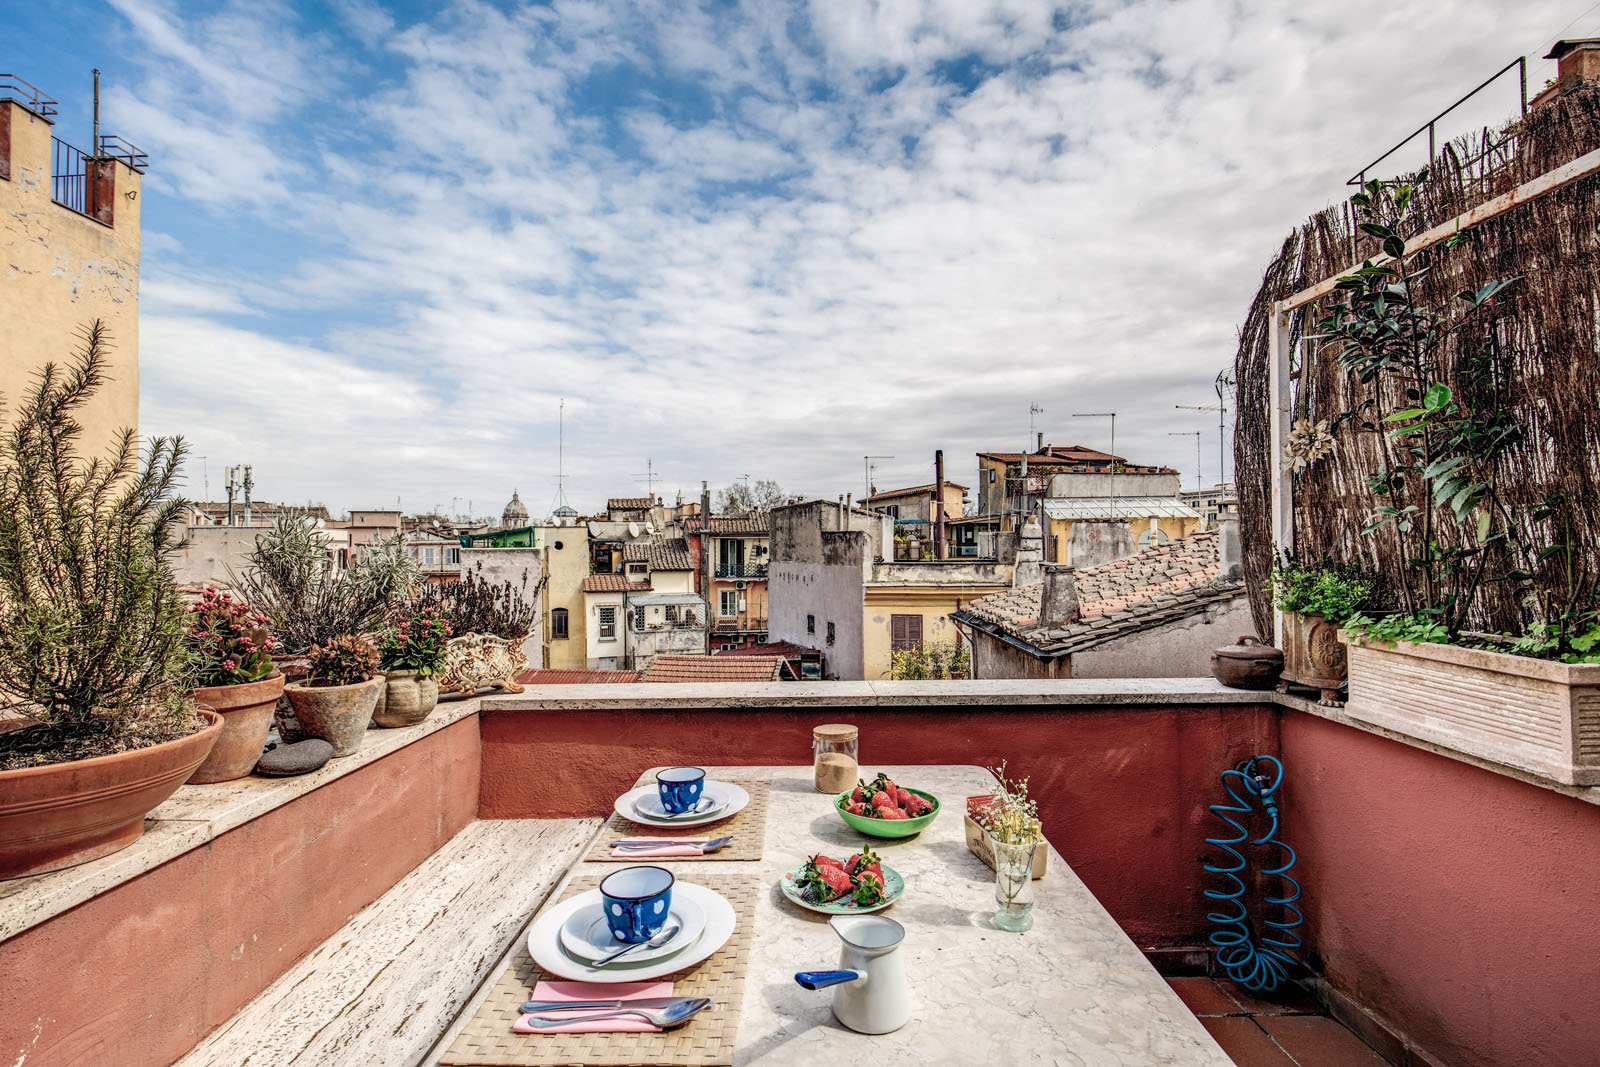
column 746, row 571
column 349, row 915
column 744, row 624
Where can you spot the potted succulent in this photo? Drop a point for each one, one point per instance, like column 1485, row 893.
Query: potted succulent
column 339, row 694
column 410, row 653
column 237, row 680
column 92, row 631
column 490, row 624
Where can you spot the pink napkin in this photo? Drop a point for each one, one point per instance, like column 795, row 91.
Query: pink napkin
column 668, row 846
column 581, row 991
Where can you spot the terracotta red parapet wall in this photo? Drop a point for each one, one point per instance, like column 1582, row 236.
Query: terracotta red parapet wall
column 1457, row 903
column 1122, row 790
column 139, row 974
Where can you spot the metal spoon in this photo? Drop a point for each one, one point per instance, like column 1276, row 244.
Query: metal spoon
column 665, row 1018
column 655, row 942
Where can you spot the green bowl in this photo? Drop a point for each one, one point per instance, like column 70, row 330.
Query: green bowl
column 887, row 827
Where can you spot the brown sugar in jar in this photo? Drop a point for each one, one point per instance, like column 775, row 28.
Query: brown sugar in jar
column 835, row 748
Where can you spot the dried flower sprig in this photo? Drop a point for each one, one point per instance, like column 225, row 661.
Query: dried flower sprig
column 1012, row 817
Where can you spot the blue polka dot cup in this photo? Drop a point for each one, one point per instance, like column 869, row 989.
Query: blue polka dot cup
column 637, row 901
column 680, row 788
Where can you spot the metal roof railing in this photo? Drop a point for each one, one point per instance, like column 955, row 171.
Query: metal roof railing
column 28, row 95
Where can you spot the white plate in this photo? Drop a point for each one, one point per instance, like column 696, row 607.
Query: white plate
column 731, row 800
column 649, row 805
column 588, row 936
column 544, row 939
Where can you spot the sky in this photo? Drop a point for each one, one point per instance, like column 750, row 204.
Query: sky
column 389, row 248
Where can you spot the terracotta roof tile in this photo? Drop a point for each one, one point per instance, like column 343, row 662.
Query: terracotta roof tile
column 607, row 583
column 912, row 491
column 1157, row 585
column 662, row 553
column 554, row 676
column 629, row 503
column 732, row 525
column 715, row 669
column 784, row 649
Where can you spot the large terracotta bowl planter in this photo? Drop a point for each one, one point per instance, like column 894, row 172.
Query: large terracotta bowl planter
column 408, row 699
column 246, row 711
column 64, row 814
column 338, row 714
column 1314, row 655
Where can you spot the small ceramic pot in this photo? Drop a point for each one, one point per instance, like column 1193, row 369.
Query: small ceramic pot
column 408, row 699
column 1247, row 665
column 246, row 711
column 338, row 714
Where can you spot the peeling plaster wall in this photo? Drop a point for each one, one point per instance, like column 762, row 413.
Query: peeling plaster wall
column 58, row 271
column 1179, row 649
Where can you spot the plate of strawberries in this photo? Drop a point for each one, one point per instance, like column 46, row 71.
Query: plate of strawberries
column 860, row 884
column 880, row 808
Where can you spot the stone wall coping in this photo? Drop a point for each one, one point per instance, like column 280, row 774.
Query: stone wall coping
column 637, row 696
column 193, row 816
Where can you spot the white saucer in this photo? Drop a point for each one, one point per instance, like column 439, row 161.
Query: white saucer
column 729, row 798
column 544, row 938
column 649, row 805
column 587, row 935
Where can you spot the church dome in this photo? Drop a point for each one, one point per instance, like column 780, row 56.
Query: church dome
column 515, row 514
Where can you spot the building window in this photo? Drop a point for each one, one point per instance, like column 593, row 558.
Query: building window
column 830, row 633
column 608, row 623
column 728, row 603
column 811, row 624
column 636, row 571
column 893, row 511
column 638, row 618
column 452, row 556
column 905, row 631
column 558, row 624
column 427, row 556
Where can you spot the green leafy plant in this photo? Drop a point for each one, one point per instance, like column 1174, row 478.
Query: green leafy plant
column 92, row 623
column 1335, row 592
column 229, row 640
column 416, row 642
column 345, row 660
column 921, row 661
column 1387, row 629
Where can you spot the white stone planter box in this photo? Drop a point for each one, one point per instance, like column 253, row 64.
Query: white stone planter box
column 1533, row 714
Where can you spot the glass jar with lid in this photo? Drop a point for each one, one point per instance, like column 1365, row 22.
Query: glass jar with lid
column 834, row 748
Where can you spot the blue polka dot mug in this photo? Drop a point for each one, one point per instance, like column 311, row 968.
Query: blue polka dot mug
column 637, row 901
column 680, row 788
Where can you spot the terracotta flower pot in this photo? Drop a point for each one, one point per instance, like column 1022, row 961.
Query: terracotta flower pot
column 409, row 699
column 338, row 714
column 64, row 814
column 246, row 711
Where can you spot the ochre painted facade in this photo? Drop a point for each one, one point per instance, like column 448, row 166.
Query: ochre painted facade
column 60, row 270
column 566, row 567
column 1060, row 532
column 932, row 602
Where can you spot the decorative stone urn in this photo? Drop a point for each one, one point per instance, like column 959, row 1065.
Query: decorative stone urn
column 1314, row 655
column 473, row 661
column 338, row 714
column 409, row 698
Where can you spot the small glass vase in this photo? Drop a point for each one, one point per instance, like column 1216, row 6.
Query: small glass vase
column 1013, row 885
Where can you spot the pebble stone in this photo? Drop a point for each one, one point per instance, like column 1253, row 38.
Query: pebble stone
column 301, row 757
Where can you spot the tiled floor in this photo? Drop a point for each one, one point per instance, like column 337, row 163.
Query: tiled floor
column 1290, row 1030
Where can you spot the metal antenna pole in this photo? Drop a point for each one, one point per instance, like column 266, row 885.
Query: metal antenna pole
column 1112, row 415
column 867, row 467
column 1196, row 435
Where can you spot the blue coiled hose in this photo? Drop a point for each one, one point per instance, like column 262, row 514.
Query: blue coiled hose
column 1259, row 962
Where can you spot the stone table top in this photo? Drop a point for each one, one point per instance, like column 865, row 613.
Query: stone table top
column 1073, row 990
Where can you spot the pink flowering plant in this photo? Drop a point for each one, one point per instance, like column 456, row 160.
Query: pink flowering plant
column 229, row 639
column 415, row 643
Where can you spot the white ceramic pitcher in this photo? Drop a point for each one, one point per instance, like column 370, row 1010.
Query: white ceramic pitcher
column 871, row 994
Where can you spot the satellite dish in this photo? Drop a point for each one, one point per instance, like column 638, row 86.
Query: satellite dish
column 435, row 524
column 633, row 529
column 649, row 528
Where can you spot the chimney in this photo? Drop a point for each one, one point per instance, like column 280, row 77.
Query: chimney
column 1577, row 61
column 705, row 561
column 1230, row 558
column 1025, row 571
column 1058, row 600
column 1039, row 445
column 940, row 533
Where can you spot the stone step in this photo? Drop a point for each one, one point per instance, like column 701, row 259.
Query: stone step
column 384, row 988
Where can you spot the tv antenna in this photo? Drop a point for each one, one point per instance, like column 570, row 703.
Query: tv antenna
column 1196, row 435
column 1223, row 381
column 1112, row 415
column 867, row 467
column 650, row 477
column 560, row 500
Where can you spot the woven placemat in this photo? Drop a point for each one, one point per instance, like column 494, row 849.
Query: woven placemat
column 707, row 1041
column 748, row 829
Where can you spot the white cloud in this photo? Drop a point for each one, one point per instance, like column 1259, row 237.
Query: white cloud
column 766, row 240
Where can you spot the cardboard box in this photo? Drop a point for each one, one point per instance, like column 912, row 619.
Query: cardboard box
column 978, row 844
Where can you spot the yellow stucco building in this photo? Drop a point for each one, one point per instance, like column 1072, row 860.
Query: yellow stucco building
column 70, row 244
column 566, row 564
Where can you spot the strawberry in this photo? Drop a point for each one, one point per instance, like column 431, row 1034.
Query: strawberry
column 868, row 891
column 915, row 805
column 892, row 813
column 882, row 800
column 864, row 810
column 902, row 798
column 866, row 858
column 858, row 794
column 820, row 860
column 823, row 882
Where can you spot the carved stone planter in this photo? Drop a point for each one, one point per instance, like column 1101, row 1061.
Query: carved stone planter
column 1314, row 655
column 473, row 661
column 338, row 714
column 1533, row 714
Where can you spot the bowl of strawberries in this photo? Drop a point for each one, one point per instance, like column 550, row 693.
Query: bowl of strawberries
column 880, row 808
